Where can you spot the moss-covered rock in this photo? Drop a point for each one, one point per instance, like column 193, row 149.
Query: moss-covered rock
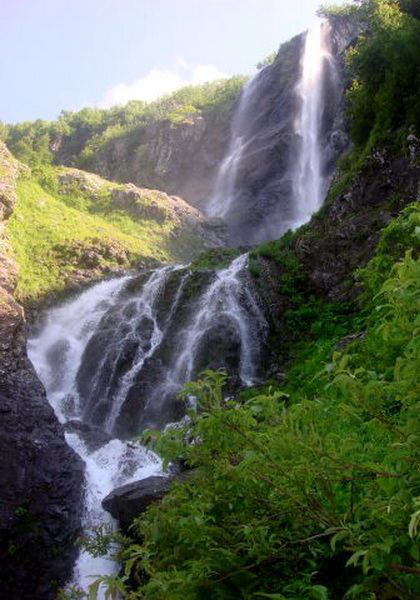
column 315, row 269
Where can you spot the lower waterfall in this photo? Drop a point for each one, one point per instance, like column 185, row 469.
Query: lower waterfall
column 114, row 358
column 56, row 353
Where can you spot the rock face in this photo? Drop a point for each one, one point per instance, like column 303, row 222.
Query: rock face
column 40, row 476
column 341, row 238
column 146, row 346
column 130, row 501
column 179, row 158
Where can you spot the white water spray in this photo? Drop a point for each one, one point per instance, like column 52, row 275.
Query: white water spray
column 226, row 296
column 309, row 183
column 224, row 188
column 145, row 308
column 56, row 353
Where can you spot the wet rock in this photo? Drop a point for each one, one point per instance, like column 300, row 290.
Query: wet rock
column 93, row 437
column 130, row 501
column 219, row 348
column 40, row 476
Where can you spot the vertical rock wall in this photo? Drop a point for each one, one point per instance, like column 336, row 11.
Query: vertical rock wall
column 40, row 476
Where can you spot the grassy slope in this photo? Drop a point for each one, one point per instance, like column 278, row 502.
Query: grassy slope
column 53, row 236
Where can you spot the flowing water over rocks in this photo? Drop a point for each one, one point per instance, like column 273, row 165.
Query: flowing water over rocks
column 114, row 359
column 57, row 353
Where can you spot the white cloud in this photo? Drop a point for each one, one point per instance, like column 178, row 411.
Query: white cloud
column 158, row 82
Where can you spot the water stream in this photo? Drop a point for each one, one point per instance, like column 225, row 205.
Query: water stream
column 56, row 353
column 113, row 359
column 310, row 184
column 224, row 192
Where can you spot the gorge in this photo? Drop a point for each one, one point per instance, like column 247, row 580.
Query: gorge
column 282, row 284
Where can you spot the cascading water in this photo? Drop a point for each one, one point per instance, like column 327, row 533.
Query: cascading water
column 222, row 299
column 56, row 353
column 126, row 347
column 310, row 185
column 223, row 195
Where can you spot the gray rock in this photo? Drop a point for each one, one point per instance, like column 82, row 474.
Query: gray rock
column 348, row 339
column 40, row 476
column 129, row 501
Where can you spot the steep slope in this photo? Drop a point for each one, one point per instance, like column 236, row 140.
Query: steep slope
column 318, row 263
column 70, row 227
column 40, row 477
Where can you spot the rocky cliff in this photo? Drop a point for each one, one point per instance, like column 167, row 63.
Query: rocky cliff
column 40, row 477
column 322, row 257
column 178, row 158
column 182, row 157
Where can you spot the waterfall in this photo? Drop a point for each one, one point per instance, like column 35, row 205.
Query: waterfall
column 223, row 196
column 276, row 171
column 56, row 353
column 223, row 299
column 113, row 359
column 309, row 183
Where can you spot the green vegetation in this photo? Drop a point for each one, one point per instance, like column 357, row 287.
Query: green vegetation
column 306, row 491
column 384, row 96
column 268, row 60
column 216, row 258
column 61, row 230
column 76, row 136
column 305, row 316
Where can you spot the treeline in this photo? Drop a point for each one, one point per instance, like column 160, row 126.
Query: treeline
column 75, row 136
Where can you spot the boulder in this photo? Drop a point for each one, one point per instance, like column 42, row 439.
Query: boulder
column 131, row 500
column 93, row 437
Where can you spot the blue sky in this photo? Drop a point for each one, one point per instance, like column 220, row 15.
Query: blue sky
column 67, row 54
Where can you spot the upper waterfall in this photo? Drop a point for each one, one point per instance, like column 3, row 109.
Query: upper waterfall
column 309, row 182
column 288, row 130
column 224, row 191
